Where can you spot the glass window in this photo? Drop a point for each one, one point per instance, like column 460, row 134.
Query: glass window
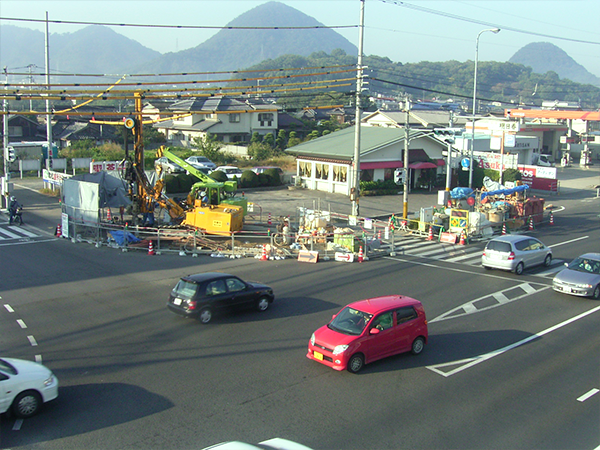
column 523, row 245
column 499, row 246
column 405, row 314
column 350, row 321
column 216, row 287
column 235, row 285
column 184, row 289
column 383, row 321
column 234, row 118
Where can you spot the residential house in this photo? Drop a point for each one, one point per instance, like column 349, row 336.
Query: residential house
column 326, row 163
column 230, row 120
column 23, row 128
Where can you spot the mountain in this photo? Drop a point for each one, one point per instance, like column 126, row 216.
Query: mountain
column 94, row 49
column 543, row 57
column 239, row 49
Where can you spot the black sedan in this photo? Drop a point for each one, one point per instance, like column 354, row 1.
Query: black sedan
column 202, row 295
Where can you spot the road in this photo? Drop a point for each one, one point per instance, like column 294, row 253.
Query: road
column 509, row 364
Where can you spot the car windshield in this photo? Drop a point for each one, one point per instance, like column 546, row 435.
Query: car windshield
column 184, row 289
column 585, row 265
column 7, row 368
column 350, row 321
column 498, row 246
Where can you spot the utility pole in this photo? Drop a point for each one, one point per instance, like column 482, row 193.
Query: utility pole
column 48, row 110
column 355, row 190
column 405, row 162
column 5, row 134
column 449, row 167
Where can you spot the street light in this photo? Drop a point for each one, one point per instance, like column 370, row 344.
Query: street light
column 495, row 31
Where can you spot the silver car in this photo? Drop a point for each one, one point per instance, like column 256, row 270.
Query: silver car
column 163, row 163
column 581, row 277
column 515, row 253
column 201, row 162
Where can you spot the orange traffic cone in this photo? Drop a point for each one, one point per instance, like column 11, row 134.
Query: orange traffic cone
column 379, row 235
column 264, row 254
column 430, row 237
column 58, row 231
column 360, row 254
column 462, row 238
column 530, row 223
column 151, row 249
column 503, row 229
column 109, row 215
column 269, row 221
column 551, row 218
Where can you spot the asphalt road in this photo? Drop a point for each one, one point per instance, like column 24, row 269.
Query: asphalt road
column 506, row 363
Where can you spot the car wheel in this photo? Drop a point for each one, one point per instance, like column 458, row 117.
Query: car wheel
column 26, row 404
column 356, row 363
column 262, row 304
column 519, row 268
column 548, row 260
column 205, row 315
column 418, row 345
column 596, row 293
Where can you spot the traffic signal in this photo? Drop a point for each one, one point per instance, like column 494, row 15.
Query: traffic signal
column 448, row 134
column 399, row 176
column 9, row 154
column 129, row 123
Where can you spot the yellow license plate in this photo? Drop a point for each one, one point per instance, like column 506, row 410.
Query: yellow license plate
column 318, row 356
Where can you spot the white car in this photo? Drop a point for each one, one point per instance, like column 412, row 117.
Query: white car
column 25, row 386
column 201, row 162
column 270, row 444
column 231, row 171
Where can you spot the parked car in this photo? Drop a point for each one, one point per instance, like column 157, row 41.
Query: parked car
column 368, row 330
column 231, row 171
column 204, row 294
column 270, row 444
column 263, row 169
column 580, row 277
column 201, row 162
column 25, row 386
column 163, row 163
column 515, row 252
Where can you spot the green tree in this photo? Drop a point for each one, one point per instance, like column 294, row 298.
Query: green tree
column 269, row 140
column 260, row 151
column 210, row 147
column 293, row 140
column 255, row 139
column 281, row 141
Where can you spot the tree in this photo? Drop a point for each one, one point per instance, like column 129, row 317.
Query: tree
column 293, row 140
column 260, row 151
column 208, row 146
column 281, row 141
column 269, row 140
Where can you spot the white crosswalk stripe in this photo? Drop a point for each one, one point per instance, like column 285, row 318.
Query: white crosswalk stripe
column 9, row 232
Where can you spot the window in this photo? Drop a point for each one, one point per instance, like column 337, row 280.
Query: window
column 405, row 314
column 235, row 285
column 216, row 287
column 234, row 118
column 383, row 321
column 265, row 119
column 339, row 173
column 304, row 169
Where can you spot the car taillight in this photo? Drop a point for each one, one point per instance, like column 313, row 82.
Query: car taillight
column 511, row 256
column 191, row 304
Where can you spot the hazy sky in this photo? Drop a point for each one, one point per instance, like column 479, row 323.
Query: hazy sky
column 412, row 31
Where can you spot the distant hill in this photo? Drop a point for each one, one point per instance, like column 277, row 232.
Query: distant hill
column 543, row 57
column 94, row 49
column 239, row 49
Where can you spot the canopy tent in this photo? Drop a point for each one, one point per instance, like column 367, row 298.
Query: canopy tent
column 422, row 165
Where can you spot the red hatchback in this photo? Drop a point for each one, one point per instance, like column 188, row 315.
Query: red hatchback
column 368, row 330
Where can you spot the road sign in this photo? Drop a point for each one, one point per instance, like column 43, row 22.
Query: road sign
column 344, row 257
column 464, row 162
column 308, row 256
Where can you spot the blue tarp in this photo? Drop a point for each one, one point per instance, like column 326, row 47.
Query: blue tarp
column 461, row 192
column 119, row 237
column 505, row 191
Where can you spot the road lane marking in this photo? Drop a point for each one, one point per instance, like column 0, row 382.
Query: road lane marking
column 38, row 359
column 8, row 308
column 17, row 425
column 587, row 395
column 32, row 341
column 21, row 323
column 568, row 242
column 465, row 364
column 499, row 297
column 23, row 231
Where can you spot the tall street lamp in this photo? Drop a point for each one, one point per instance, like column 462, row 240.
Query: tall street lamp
column 495, row 31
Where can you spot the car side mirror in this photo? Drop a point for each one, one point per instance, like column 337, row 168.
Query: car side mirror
column 374, row 331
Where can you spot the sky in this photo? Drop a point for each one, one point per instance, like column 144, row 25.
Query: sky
column 406, row 32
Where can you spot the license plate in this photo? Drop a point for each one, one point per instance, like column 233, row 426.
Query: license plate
column 177, row 301
column 567, row 289
column 318, row 356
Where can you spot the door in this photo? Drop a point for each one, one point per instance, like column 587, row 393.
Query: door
column 216, row 294
column 406, row 330
column 240, row 294
column 5, row 392
column 381, row 343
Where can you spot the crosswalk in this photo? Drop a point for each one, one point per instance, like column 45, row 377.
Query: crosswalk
column 462, row 254
column 11, row 233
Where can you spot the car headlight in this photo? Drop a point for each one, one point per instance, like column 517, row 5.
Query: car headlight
column 339, row 349
column 49, row 381
column 312, row 339
column 584, row 286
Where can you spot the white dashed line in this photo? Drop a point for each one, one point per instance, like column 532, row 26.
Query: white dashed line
column 21, row 323
column 9, row 309
column 32, row 341
column 17, row 425
column 38, row 359
column 587, row 395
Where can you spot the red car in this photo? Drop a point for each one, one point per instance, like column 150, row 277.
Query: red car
column 368, row 330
